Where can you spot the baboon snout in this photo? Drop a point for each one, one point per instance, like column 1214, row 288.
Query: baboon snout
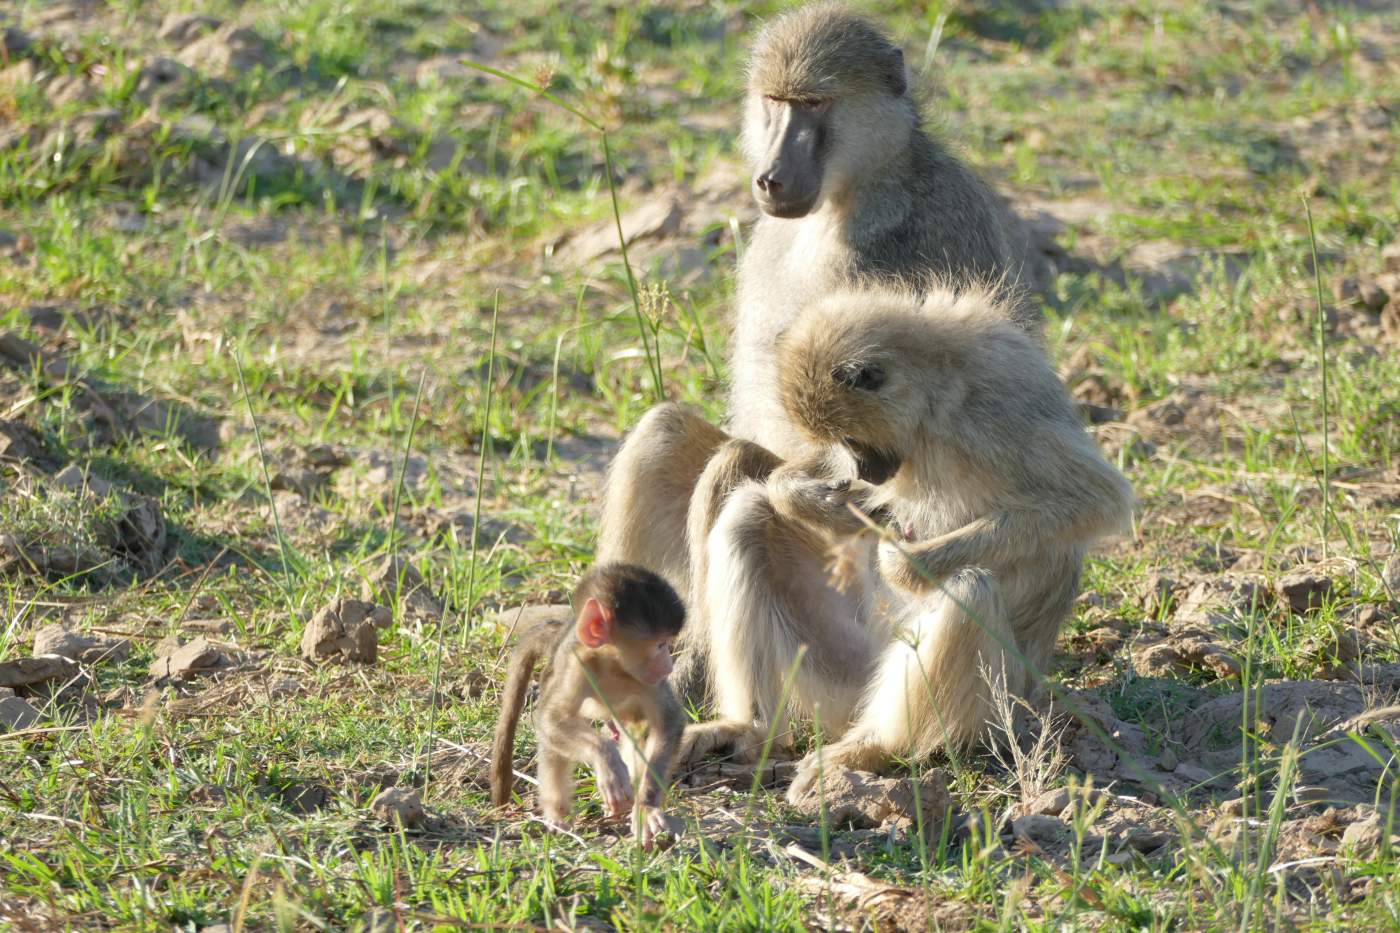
column 789, row 176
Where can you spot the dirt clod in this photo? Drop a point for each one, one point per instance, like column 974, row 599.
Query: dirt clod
column 345, row 630
column 1365, row 835
column 19, row 442
column 16, row 714
column 1305, row 590
column 1048, row 802
column 395, row 576
column 227, row 51
column 70, row 643
column 1183, row 651
column 23, row 673
column 400, row 805
column 865, row 801
column 192, row 659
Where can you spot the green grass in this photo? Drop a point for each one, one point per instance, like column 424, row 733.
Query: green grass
column 325, row 296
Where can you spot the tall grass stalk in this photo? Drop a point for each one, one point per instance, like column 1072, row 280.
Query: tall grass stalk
column 285, row 582
column 1322, row 362
column 653, row 358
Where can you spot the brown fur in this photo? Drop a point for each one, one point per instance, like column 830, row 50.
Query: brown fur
column 892, row 205
column 999, row 491
column 580, row 684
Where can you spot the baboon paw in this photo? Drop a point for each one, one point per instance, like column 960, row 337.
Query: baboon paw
column 651, row 825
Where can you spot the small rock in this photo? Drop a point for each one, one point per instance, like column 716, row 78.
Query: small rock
column 1305, row 590
column 1192, row 774
column 1311, row 793
column 300, row 796
column 865, row 801
column 283, row 687
column 183, row 662
column 1039, row 828
column 1181, row 652
column 75, row 479
column 658, row 218
column 1391, row 574
column 1159, row 592
column 300, row 480
column 69, row 643
column 1364, row 835
column 181, row 28
column 16, row 714
column 160, row 76
column 395, row 576
column 1234, row 807
column 1168, row 761
column 19, row 442
column 400, row 805
column 1048, row 802
column 345, row 630
column 30, row 672
column 228, row 50
column 1372, row 296
column 14, row 42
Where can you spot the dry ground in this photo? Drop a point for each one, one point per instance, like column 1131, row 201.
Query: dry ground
column 264, row 481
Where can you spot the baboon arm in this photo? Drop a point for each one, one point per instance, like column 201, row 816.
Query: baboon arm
column 991, row 541
column 663, row 742
column 817, row 491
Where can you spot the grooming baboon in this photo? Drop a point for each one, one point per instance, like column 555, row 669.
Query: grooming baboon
column 853, row 190
column 964, row 437
column 611, row 664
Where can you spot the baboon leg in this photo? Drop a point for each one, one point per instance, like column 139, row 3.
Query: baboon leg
column 648, row 491
column 766, row 598
column 735, row 462
column 929, row 691
column 556, row 794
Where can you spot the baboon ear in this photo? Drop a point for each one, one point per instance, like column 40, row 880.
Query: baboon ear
column 854, row 374
column 898, row 75
column 595, row 623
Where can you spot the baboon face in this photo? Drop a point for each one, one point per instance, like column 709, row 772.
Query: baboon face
column 860, row 406
column 852, row 397
column 828, row 101
column 794, row 144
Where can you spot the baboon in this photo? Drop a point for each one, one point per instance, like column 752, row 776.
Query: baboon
column 853, row 189
column 967, row 443
column 611, row 665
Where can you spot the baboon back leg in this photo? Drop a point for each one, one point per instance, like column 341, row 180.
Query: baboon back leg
column 648, row 491
column 931, row 689
column 735, row 462
column 766, row 598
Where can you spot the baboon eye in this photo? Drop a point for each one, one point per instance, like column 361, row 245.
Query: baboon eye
column 867, row 377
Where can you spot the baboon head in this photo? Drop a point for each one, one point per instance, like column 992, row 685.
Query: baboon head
column 827, row 103
column 873, row 372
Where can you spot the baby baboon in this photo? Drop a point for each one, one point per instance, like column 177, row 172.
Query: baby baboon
column 853, row 190
column 971, row 445
column 610, row 665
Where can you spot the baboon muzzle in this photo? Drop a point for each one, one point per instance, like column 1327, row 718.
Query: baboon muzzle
column 874, row 466
column 790, row 175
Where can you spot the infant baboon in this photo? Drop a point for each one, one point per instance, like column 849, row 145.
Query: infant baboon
column 963, row 435
column 610, row 665
column 853, row 190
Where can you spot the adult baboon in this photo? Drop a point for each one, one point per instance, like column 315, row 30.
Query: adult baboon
column 963, row 435
column 853, row 189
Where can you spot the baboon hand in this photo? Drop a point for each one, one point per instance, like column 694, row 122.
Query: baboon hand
column 907, row 568
column 817, row 500
column 650, row 824
column 614, row 783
